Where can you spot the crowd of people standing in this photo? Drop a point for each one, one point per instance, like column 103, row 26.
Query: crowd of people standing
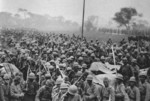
column 55, row 68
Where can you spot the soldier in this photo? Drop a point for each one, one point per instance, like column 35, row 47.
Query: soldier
column 84, row 67
column 15, row 90
column 147, row 97
column 89, row 91
column 63, row 89
column 71, row 95
column 142, row 85
column 132, row 91
column 77, row 75
column 31, row 88
column 56, row 88
column 5, row 88
column 102, row 59
column 120, row 93
column 80, row 60
column 44, row 93
column 126, row 71
column 47, row 77
column 107, row 91
column 66, row 80
column 141, row 60
column 22, row 82
column 135, row 69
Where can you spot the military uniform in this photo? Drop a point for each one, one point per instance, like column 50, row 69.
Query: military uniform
column 76, row 97
column 32, row 88
column 133, row 93
column 5, row 91
column 90, row 92
column 107, row 94
column 127, row 72
column 55, row 91
column 44, row 94
column 120, row 93
column 15, row 92
column 57, row 97
column 142, row 88
column 147, row 97
column 44, row 81
column 2, row 97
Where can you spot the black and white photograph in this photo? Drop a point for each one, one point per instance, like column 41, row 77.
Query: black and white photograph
column 74, row 50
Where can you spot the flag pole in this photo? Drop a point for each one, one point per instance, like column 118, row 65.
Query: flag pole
column 114, row 59
column 113, row 55
column 83, row 18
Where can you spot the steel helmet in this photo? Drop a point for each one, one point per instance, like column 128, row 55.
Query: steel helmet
column 102, row 58
column 142, row 74
column 29, row 58
column 52, row 61
column 61, row 65
column 71, row 51
column 86, row 50
column 64, row 85
column 63, row 56
column 17, row 78
column 54, row 53
column 75, row 64
column 47, row 75
column 89, row 77
column 110, row 54
column 132, row 79
column 1, row 65
column 39, row 73
column 2, row 73
column 79, row 73
column 6, row 76
column 84, row 65
column 58, row 81
column 133, row 61
column 49, row 83
column 78, row 50
column 72, row 90
column 47, row 64
column 78, row 54
column 119, row 76
column 31, row 75
column 56, row 50
column 69, row 68
column 120, row 54
column 84, row 54
column 72, row 57
column 51, row 67
column 93, row 55
column 106, row 79
column 80, row 58
column 124, row 59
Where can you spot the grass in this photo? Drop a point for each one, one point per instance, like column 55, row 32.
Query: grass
column 104, row 36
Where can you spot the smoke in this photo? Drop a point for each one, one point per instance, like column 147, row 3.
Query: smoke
column 91, row 24
column 26, row 19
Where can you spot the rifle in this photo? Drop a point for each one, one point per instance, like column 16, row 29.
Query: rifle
column 59, row 70
column 80, row 78
column 10, row 71
column 7, row 54
column 8, row 64
column 5, row 69
column 29, row 70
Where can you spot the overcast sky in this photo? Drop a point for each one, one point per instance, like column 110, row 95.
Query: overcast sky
column 72, row 9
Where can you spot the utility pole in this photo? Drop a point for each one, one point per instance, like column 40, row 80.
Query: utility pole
column 83, row 18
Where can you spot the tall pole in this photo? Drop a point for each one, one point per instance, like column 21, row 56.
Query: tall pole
column 83, row 18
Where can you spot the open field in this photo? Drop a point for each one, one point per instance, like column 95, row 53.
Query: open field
column 104, row 36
